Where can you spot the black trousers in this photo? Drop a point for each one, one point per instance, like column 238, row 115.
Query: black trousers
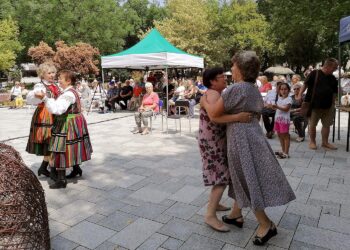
column 300, row 124
column 125, row 101
column 110, row 103
column 268, row 119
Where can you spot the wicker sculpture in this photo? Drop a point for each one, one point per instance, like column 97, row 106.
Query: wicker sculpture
column 23, row 214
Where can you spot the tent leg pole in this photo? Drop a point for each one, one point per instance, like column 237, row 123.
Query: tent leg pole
column 167, row 98
column 339, row 88
column 103, row 78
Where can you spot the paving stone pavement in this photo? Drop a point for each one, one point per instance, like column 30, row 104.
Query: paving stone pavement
column 146, row 192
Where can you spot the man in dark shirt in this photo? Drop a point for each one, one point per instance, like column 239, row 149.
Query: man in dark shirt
column 125, row 95
column 112, row 95
column 322, row 107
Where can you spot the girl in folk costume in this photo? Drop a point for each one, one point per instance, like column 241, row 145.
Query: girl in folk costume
column 42, row 121
column 70, row 142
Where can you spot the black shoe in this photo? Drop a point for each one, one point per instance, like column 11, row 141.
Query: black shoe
column 43, row 169
column 53, row 174
column 233, row 221
column 259, row 241
column 76, row 171
column 269, row 135
column 61, row 181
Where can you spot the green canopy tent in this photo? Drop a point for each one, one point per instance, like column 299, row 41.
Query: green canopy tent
column 152, row 52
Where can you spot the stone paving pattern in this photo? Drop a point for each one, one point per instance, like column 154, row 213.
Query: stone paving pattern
column 146, row 192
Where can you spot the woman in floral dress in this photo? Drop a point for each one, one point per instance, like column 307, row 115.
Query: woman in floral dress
column 212, row 145
column 257, row 178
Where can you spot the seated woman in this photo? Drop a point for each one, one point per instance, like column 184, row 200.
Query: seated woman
column 299, row 121
column 16, row 95
column 190, row 95
column 148, row 106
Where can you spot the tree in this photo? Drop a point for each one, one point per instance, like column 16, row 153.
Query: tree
column 71, row 21
column 6, row 9
column 215, row 30
column 41, row 53
column 188, row 27
column 308, row 30
column 9, row 44
column 139, row 16
column 80, row 58
column 240, row 27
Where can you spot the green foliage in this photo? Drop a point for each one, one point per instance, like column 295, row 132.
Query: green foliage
column 188, row 27
column 240, row 27
column 206, row 28
column 307, row 30
column 6, row 9
column 9, row 44
column 139, row 16
column 98, row 23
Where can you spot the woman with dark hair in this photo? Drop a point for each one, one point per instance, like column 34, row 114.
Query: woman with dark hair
column 257, row 178
column 70, row 142
column 213, row 149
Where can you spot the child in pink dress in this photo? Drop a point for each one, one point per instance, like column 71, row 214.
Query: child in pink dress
column 282, row 119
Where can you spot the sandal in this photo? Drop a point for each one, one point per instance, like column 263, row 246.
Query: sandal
column 329, row 146
column 233, row 221
column 283, row 156
column 259, row 241
column 278, row 153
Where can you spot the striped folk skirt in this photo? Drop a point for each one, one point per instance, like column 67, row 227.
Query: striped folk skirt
column 40, row 132
column 70, row 142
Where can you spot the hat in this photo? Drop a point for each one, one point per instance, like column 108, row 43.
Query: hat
column 297, row 86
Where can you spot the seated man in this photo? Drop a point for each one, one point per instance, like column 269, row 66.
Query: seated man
column 112, row 94
column 299, row 121
column 125, row 95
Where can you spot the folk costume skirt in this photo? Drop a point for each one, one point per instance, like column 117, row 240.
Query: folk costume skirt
column 70, row 142
column 40, row 132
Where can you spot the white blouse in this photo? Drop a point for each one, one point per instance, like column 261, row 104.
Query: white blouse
column 61, row 104
column 16, row 90
column 31, row 99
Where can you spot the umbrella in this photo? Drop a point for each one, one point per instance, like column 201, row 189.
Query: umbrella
column 228, row 73
column 279, row 70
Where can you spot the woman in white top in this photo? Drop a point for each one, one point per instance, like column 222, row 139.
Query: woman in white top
column 40, row 129
column 70, row 143
column 16, row 91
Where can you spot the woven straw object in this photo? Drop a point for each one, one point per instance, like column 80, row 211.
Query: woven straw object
column 23, row 214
